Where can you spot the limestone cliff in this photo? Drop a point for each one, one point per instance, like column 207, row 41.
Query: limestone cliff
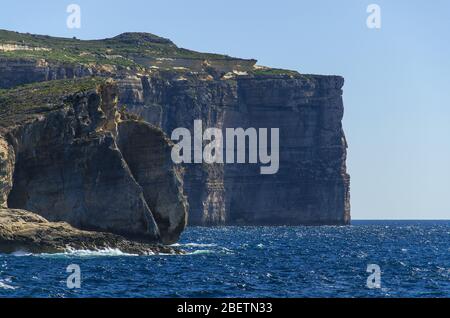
column 60, row 159
column 150, row 163
column 170, row 87
column 311, row 187
column 6, row 171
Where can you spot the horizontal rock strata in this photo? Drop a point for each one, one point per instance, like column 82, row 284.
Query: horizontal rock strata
column 62, row 162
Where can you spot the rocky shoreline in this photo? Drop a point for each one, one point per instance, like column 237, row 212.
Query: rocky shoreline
column 28, row 232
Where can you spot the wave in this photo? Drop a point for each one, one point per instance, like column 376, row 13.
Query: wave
column 202, row 248
column 193, row 245
column 76, row 253
column 21, row 253
column 91, row 253
column 4, row 285
column 114, row 252
column 200, row 252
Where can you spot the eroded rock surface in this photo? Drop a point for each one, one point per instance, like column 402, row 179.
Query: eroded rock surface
column 28, row 232
column 68, row 167
column 6, row 171
column 147, row 152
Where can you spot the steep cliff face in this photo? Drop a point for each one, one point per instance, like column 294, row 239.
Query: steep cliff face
column 150, row 163
column 68, row 167
column 6, row 171
column 311, row 186
column 169, row 103
column 18, row 71
column 170, row 87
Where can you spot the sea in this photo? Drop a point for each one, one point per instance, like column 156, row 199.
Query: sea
column 366, row 259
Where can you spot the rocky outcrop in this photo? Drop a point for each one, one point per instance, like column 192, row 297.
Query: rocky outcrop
column 68, row 167
column 150, row 163
column 25, row 231
column 20, row 71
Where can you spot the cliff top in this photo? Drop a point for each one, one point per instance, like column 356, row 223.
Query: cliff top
column 126, row 49
column 21, row 102
column 132, row 50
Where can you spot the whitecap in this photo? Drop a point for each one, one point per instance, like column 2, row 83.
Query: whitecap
column 200, row 252
column 193, row 245
column 89, row 253
column 4, row 285
column 21, row 253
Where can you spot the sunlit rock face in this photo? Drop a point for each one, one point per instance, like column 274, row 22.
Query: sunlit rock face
column 6, row 171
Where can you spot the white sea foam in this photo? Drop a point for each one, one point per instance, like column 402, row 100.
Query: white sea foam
column 199, row 252
column 91, row 253
column 193, row 245
column 204, row 248
column 21, row 253
column 77, row 253
column 108, row 252
column 4, row 285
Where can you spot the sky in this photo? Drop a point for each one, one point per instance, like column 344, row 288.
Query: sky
column 397, row 77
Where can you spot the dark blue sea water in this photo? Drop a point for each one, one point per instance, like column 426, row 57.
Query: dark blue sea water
column 414, row 258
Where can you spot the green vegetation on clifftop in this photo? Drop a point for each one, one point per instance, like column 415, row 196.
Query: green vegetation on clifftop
column 123, row 50
column 274, row 71
column 45, row 95
column 128, row 52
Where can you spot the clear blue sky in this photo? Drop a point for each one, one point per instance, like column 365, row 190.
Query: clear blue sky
column 397, row 91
